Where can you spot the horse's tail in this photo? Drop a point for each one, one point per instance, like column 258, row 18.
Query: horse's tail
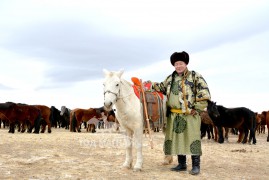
column 37, row 122
column 252, row 117
column 254, row 121
column 73, row 122
column 52, row 118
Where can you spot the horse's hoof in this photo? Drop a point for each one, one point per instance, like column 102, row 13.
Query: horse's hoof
column 165, row 163
column 137, row 170
column 126, row 166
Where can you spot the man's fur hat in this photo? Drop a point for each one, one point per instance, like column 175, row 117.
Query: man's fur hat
column 179, row 56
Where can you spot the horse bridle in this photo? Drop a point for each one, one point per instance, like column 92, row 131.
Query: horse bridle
column 108, row 91
column 116, row 94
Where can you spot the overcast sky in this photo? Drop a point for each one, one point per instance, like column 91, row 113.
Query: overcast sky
column 52, row 52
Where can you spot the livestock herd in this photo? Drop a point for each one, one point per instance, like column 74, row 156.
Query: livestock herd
column 37, row 118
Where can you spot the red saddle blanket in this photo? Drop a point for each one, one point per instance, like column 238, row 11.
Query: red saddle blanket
column 153, row 102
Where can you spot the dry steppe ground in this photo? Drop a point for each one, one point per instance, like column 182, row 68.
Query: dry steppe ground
column 67, row 155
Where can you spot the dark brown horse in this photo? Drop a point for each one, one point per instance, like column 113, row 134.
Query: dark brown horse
column 45, row 117
column 266, row 116
column 78, row 116
column 241, row 118
column 23, row 115
column 111, row 117
column 4, row 120
column 210, row 128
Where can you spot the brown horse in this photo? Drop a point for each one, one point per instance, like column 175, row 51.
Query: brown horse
column 45, row 115
column 266, row 116
column 78, row 116
column 3, row 119
column 111, row 118
column 260, row 123
column 21, row 114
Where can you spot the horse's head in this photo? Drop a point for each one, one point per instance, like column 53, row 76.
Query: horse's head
column 63, row 108
column 111, row 87
column 212, row 109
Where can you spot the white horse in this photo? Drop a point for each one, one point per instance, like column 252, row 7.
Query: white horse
column 119, row 93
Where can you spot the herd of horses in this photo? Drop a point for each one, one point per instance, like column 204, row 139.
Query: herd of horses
column 215, row 120
column 36, row 118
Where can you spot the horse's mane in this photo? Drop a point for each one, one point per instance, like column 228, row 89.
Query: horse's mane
column 125, row 81
column 221, row 108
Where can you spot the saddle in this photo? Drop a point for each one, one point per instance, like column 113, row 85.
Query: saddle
column 153, row 101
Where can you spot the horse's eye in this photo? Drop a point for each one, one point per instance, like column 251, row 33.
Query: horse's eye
column 117, row 85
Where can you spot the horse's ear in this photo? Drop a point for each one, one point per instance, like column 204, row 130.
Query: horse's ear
column 106, row 72
column 120, row 72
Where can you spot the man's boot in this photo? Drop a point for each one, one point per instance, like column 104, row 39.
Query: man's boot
column 182, row 166
column 195, row 164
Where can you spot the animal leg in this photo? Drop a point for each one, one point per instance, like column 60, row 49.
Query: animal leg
column 245, row 136
column 240, row 136
column 138, row 143
column 252, row 136
column 226, row 133
column 168, row 159
column 220, row 132
column 128, row 145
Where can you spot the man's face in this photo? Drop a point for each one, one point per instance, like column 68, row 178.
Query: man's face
column 180, row 66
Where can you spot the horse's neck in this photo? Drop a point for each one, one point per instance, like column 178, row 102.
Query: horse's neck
column 221, row 109
column 126, row 89
column 127, row 97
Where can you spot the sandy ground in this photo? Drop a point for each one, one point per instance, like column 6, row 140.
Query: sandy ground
column 99, row 156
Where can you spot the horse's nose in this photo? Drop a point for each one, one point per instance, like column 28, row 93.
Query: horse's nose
column 109, row 104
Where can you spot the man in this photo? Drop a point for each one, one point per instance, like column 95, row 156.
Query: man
column 187, row 94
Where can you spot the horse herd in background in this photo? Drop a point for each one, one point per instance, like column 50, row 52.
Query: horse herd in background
column 36, row 118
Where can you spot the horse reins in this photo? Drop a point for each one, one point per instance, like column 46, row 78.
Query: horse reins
column 116, row 94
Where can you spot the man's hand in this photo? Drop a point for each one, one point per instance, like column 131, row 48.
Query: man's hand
column 193, row 112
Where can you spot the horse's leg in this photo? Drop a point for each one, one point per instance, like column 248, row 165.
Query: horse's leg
column 240, row 135
column 49, row 124
column 128, row 146
column 93, row 129
column 216, row 133
column 79, row 126
column 43, row 127
column 211, row 131
column 12, row 127
column 245, row 136
column 138, row 136
column 85, row 124
column 168, row 159
column 208, row 132
column 252, row 136
column 23, row 127
column 19, row 127
column 268, row 132
column 226, row 133
column 220, row 132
